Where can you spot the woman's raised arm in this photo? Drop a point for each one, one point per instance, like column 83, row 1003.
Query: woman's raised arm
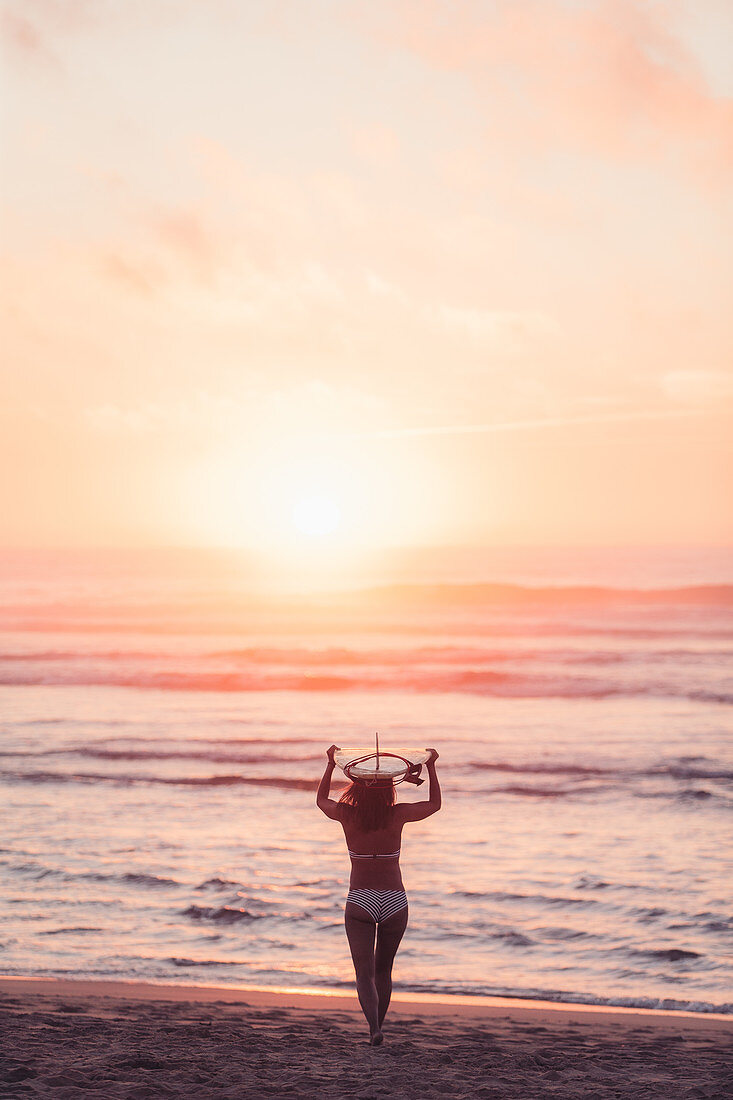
column 417, row 811
column 323, row 802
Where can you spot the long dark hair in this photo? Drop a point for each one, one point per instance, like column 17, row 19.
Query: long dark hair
column 371, row 803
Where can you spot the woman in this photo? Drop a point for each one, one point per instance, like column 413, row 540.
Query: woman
column 376, row 901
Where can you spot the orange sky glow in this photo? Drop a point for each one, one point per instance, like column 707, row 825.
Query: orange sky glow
column 374, row 273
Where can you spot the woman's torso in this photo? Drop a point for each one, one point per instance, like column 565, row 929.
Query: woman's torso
column 371, row 873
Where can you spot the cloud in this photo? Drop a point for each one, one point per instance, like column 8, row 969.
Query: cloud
column 531, row 424
column 130, row 274
column 184, row 232
column 199, row 412
column 382, row 288
column 38, row 31
column 375, row 144
column 510, row 331
column 608, row 78
column 313, row 406
column 319, row 406
column 697, row 386
column 61, row 18
column 24, row 40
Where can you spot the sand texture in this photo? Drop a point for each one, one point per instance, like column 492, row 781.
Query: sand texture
column 61, row 1040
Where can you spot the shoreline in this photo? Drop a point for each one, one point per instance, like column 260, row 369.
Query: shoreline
column 314, row 1000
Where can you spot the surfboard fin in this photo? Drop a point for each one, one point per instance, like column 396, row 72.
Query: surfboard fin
column 413, row 775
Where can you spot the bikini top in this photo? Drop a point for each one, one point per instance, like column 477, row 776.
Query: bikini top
column 375, row 855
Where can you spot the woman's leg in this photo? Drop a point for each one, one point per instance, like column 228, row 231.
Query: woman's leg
column 360, row 934
column 389, row 935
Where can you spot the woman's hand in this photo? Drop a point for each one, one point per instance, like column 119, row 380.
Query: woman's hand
column 330, row 752
column 434, row 755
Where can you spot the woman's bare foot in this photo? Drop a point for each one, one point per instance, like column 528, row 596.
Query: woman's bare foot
column 376, row 1039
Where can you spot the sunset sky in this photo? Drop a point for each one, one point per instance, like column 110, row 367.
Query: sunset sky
column 369, row 272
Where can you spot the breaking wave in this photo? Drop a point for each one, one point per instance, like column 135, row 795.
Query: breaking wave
column 685, row 768
column 223, row 914
column 486, row 682
column 148, row 780
column 39, row 871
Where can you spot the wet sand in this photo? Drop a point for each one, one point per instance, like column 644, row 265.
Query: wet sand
column 130, row 1041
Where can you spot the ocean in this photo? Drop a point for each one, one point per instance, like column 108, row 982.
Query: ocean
column 164, row 718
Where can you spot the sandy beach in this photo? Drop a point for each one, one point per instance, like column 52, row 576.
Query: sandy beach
column 110, row 1040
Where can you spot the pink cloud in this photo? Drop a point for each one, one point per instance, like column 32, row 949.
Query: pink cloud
column 24, row 40
column 375, row 144
column 64, row 17
column 183, row 231
column 128, row 273
column 609, row 78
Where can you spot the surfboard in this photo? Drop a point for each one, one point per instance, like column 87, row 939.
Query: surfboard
column 389, row 766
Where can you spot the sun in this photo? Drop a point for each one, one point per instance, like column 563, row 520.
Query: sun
column 293, row 499
column 316, row 515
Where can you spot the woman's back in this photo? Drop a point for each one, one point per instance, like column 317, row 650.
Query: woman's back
column 374, row 852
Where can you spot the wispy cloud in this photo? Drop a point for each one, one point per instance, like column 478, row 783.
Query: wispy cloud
column 698, row 386
column 507, row 330
column 530, row 425
column 184, row 232
column 608, row 77
column 25, row 41
column 131, row 274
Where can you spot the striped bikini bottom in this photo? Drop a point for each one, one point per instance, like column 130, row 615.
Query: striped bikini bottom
column 379, row 904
